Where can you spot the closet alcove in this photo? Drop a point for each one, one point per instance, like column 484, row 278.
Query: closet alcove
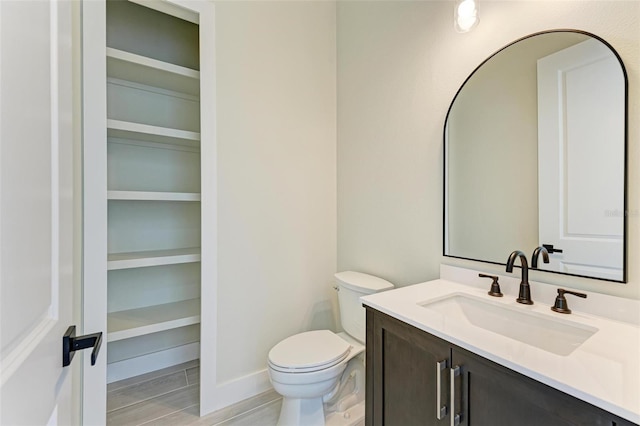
column 148, row 178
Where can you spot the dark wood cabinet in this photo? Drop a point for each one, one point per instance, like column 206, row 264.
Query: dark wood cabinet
column 403, row 387
column 401, row 373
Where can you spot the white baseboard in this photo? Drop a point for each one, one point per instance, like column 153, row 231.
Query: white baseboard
column 144, row 364
column 236, row 390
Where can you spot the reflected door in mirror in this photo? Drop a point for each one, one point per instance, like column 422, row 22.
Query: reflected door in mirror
column 581, row 139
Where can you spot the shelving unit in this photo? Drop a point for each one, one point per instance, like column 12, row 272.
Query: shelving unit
column 141, row 69
column 143, row 259
column 152, row 196
column 144, row 132
column 152, row 319
column 148, row 190
column 153, row 190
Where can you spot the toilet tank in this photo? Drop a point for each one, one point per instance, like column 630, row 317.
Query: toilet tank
column 351, row 286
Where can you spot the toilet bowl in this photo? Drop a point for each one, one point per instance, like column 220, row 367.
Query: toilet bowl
column 320, row 374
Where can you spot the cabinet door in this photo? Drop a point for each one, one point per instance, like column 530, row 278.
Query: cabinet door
column 402, row 373
column 489, row 394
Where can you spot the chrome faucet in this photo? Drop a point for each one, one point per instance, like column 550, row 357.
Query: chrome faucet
column 524, row 295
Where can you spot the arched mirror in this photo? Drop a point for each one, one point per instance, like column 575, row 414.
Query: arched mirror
column 535, row 154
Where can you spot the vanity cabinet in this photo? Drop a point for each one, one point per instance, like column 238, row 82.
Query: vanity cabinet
column 403, row 386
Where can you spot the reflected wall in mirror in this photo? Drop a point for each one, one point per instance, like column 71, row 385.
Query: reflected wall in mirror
column 535, row 154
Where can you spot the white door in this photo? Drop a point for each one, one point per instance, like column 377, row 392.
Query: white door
column 581, row 100
column 36, row 212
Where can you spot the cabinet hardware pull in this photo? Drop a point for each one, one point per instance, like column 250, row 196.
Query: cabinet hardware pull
column 455, row 417
column 441, row 410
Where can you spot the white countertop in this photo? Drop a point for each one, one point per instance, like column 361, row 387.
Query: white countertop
column 603, row 371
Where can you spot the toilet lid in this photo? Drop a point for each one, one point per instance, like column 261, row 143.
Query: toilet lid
column 312, row 350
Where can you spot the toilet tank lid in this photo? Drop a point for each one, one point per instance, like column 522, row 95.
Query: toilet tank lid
column 362, row 282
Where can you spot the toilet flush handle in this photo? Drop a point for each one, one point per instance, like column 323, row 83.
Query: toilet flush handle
column 336, row 288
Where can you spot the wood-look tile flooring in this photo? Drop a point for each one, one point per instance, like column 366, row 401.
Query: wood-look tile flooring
column 170, row 397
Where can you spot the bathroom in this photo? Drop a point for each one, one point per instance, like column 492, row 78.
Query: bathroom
column 330, row 155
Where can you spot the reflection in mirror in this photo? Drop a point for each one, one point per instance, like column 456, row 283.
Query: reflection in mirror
column 535, row 146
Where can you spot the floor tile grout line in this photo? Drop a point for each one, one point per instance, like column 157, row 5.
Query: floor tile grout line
column 198, row 418
column 167, row 415
column 152, row 378
column 146, row 381
column 127, row 388
column 148, row 399
column 248, row 411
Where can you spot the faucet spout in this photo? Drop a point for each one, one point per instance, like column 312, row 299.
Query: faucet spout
column 536, row 254
column 524, row 295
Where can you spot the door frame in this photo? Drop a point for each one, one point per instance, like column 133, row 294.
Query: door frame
column 94, row 188
column 94, row 159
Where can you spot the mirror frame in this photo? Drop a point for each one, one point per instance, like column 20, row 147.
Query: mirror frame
column 625, row 242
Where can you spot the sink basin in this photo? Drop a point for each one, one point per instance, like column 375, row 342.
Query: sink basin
column 558, row 336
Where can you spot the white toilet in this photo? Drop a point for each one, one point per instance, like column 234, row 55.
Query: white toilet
column 320, row 374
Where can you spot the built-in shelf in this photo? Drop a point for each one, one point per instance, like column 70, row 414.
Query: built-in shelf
column 152, row 319
column 141, row 259
column 152, row 196
column 145, row 132
column 151, row 168
column 141, row 69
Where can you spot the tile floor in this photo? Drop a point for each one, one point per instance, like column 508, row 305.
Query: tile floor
column 170, row 397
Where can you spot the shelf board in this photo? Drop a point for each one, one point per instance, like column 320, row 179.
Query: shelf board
column 152, row 319
column 145, row 132
column 152, row 196
column 141, row 69
column 141, row 259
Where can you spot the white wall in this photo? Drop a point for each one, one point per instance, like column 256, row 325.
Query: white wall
column 389, row 140
column 399, row 66
column 386, row 71
column 276, row 115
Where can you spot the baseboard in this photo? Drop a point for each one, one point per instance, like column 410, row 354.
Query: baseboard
column 242, row 407
column 237, row 390
column 144, row 364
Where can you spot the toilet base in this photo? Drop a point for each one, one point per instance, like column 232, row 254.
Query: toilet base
column 345, row 408
column 354, row 416
column 309, row 412
column 301, row 411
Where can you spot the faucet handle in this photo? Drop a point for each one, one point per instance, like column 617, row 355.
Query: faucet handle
column 560, row 305
column 495, row 287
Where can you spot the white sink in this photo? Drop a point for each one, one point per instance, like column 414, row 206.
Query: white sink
column 555, row 335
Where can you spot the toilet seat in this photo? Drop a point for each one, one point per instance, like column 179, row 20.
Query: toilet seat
column 308, row 352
